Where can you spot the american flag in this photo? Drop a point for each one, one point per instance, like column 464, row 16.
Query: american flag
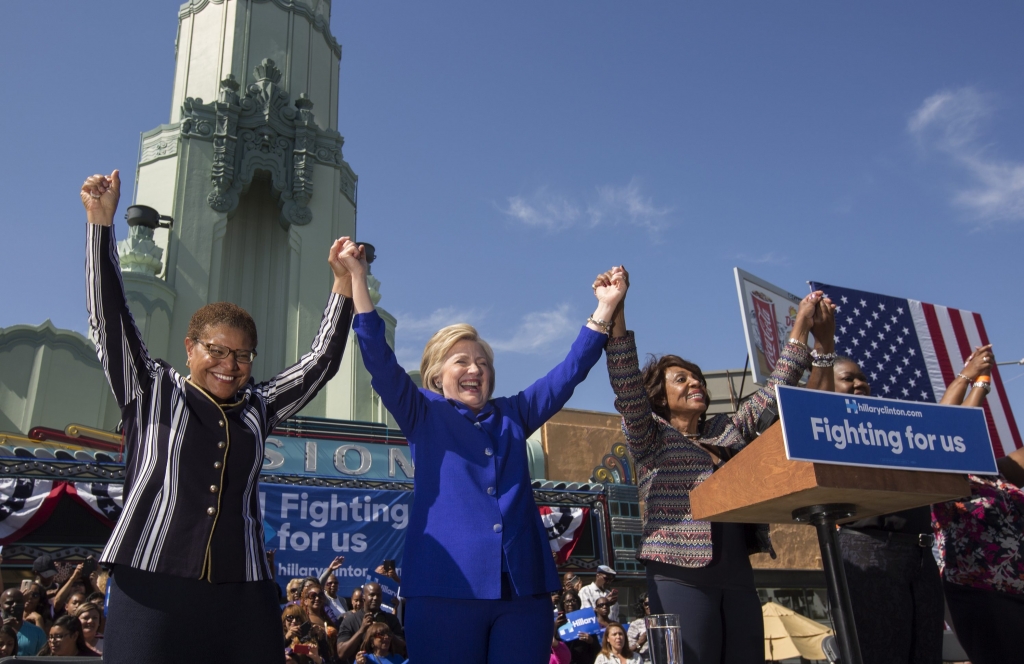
column 912, row 350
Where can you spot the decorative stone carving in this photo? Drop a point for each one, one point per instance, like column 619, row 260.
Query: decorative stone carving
column 139, row 253
column 317, row 12
column 159, row 143
column 260, row 131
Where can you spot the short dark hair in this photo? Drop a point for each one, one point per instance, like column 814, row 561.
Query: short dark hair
column 222, row 313
column 653, row 375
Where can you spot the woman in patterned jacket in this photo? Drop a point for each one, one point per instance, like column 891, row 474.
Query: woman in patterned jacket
column 696, row 569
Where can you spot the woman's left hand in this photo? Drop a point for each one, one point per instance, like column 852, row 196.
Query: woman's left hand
column 610, row 287
column 805, row 316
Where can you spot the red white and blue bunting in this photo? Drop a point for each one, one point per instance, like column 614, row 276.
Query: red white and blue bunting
column 564, row 526
column 25, row 504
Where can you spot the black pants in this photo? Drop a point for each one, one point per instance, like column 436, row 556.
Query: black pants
column 896, row 596
column 989, row 624
column 719, row 625
column 158, row 618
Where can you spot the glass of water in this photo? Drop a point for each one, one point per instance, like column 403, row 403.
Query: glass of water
column 664, row 639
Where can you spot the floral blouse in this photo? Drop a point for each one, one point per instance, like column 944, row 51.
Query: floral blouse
column 981, row 538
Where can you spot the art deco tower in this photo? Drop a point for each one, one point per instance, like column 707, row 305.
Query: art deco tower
column 250, row 167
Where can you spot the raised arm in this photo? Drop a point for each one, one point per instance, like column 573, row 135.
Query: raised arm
column 397, row 391
column 119, row 345
column 630, row 394
column 979, row 363
column 286, row 393
column 791, row 365
column 540, row 401
column 824, row 354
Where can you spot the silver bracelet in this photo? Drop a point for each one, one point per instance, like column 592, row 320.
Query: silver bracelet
column 982, row 385
column 603, row 324
column 822, row 360
column 797, row 342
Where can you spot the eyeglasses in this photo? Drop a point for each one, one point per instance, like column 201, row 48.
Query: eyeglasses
column 220, row 352
column 600, row 605
column 313, row 596
column 56, row 638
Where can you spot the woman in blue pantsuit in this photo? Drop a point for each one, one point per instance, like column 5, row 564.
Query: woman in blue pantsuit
column 477, row 564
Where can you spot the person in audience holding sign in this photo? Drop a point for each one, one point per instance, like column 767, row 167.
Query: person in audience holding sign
column 584, row 648
column 477, row 560
column 356, row 624
column 190, row 534
column 980, row 540
column 615, row 647
column 697, row 569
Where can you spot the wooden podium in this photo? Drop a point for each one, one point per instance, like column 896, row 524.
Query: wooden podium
column 760, row 485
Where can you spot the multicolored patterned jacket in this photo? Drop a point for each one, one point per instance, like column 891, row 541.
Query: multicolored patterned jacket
column 670, row 465
column 981, row 538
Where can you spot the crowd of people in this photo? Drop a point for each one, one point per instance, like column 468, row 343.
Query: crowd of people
column 54, row 614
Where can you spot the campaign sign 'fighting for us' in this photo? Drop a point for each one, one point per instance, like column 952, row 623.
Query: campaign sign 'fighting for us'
column 826, row 427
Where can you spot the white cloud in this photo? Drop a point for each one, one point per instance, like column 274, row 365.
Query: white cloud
column 538, row 331
column 424, row 326
column 543, row 210
column 951, row 121
column 627, row 205
column 611, row 205
column 768, row 258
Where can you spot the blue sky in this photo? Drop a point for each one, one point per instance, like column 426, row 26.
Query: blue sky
column 507, row 152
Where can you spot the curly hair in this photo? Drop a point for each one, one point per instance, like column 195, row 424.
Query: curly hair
column 653, row 375
column 222, row 313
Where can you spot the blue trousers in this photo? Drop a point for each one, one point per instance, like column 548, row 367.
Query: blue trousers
column 475, row 631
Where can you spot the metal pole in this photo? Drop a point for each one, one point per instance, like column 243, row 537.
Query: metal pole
column 824, row 519
column 1005, row 364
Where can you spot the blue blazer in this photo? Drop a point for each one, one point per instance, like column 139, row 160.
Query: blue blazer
column 473, row 514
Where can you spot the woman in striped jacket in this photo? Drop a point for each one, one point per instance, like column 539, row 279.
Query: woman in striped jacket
column 191, row 533
column 696, row 569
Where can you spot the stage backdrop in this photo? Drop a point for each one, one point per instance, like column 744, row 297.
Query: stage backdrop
column 309, row 526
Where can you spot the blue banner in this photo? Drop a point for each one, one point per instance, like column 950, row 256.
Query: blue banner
column 584, row 620
column 852, row 430
column 309, row 526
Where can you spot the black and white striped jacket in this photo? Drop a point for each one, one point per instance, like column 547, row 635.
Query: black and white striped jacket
column 191, row 500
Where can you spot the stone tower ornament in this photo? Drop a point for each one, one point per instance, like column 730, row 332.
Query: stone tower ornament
column 261, row 131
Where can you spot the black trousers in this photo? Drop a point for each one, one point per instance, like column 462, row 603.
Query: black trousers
column 988, row 623
column 163, row 619
column 896, row 595
column 719, row 625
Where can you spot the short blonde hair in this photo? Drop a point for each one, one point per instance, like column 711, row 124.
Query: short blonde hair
column 439, row 346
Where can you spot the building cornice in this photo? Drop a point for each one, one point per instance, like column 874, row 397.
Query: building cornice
column 319, row 22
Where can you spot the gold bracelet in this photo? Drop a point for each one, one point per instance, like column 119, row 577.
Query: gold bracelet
column 603, row 324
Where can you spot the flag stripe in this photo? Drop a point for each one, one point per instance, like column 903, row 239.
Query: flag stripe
column 941, row 355
column 924, row 337
column 991, row 406
column 1000, row 393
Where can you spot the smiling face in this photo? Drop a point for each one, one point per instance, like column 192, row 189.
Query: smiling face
column 685, row 395
column 62, row 642
column 221, row 378
column 467, row 375
column 850, row 379
column 90, row 622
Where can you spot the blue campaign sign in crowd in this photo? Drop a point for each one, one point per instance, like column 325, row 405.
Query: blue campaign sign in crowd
column 868, row 431
column 579, row 622
column 309, row 526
